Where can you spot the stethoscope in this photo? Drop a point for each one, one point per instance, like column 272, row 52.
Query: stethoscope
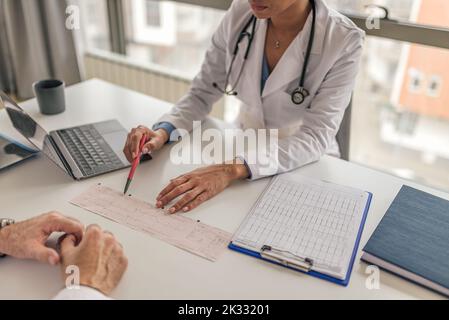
column 300, row 93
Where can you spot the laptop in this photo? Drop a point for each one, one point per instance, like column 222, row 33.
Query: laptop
column 82, row 152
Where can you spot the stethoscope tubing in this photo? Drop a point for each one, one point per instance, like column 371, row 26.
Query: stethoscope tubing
column 299, row 94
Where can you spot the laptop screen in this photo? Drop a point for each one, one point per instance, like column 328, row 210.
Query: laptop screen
column 31, row 130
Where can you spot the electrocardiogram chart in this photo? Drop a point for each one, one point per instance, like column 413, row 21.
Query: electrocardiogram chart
column 178, row 230
column 307, row 218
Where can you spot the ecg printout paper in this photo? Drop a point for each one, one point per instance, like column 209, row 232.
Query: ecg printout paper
column 185, row 233
column 307, row 218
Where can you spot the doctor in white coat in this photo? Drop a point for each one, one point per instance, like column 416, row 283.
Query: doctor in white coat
column 302, row 59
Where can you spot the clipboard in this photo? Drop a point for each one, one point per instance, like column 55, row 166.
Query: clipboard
column 304, row 264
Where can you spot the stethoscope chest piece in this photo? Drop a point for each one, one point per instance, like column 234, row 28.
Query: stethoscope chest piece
column 299, row 95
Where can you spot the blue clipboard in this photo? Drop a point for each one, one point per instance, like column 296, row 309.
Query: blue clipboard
column 344, row 282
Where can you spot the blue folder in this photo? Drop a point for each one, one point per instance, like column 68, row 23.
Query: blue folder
column 344, row 282
column 413, row 237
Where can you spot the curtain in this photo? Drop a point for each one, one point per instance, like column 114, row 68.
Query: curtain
column 34, row 45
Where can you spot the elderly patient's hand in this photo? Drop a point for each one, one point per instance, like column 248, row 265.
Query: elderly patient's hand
column 26, row 239
column 98, row 256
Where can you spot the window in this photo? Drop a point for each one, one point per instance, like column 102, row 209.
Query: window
column 397, row 126
column 173, row 35
column 95, row 24
column 434, row 87
column 426, row 12
column 416, row 79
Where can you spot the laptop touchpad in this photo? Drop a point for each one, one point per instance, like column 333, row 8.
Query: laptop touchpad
column 116, row 140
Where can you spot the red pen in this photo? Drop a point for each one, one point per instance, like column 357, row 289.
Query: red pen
column 136, row 162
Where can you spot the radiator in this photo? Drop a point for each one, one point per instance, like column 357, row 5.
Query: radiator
column 149, row 79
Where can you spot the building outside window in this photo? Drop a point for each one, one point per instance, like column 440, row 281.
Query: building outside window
column 397, row 126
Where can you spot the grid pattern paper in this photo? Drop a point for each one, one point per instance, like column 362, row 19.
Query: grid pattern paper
column 307, row 218
column 176, row 229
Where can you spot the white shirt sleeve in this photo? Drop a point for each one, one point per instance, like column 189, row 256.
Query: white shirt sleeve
column 81, row 293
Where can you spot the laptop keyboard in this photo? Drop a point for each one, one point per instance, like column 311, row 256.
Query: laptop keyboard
column 89, row 150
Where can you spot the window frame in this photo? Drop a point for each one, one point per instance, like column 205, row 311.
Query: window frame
column 116, row 23
column 390, row 29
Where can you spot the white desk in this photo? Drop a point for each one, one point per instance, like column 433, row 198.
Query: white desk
column 156, row 269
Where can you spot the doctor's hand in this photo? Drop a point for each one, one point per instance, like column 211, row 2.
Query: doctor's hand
column 200, row 185
column 155, row 141
column 26, row 239
column 99, row 257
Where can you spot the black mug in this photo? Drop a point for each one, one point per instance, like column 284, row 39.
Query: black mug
column 50, row 96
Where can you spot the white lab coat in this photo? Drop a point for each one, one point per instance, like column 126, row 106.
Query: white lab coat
column 304, row 134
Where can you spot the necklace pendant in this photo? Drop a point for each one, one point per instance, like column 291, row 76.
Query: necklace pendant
column 277, row 44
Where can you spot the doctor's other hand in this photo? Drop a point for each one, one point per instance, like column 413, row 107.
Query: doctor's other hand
column 200, row 185
column 155, row 141
column 99, row 257
column 26, row 239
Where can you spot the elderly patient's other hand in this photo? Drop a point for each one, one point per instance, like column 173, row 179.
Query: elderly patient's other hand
column 26, row 239
column 98, row 256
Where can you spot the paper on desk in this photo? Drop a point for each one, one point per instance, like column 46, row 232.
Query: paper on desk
column 195, row 237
